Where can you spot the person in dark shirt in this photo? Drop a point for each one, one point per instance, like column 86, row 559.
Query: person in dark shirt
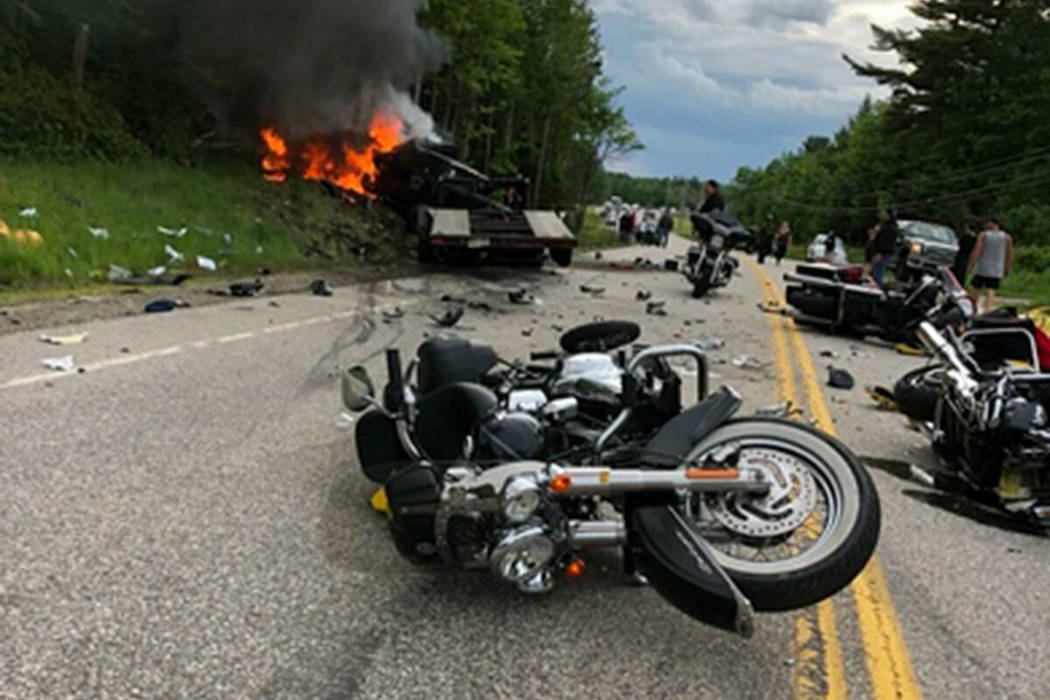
column 665, row 227
column 884, row 246
column 626, row 227
column 713, row 203
column 962, row 259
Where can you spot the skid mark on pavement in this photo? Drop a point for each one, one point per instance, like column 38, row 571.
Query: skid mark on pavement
column 885, row 650
column 818, row 670
column 197, row 345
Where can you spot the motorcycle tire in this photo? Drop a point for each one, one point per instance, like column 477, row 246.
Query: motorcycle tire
column 701, row 288
column 828, row 566
column 600, row 337
column 917, row 393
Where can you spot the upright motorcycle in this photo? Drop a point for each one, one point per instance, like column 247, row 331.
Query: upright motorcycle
column 722, row 516
column 709, row 264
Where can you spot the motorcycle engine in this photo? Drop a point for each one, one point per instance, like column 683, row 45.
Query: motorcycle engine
column 413, row 494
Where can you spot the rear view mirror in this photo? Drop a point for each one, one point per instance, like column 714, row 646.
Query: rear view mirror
column 358, row 390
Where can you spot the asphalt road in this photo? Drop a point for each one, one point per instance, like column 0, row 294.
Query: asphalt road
column 186, row 519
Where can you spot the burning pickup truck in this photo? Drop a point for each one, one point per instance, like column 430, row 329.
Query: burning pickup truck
column 454, row 210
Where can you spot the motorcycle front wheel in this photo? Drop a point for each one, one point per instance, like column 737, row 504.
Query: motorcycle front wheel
column 806, row 539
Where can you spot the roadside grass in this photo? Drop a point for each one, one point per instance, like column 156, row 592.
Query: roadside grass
column 232, row 216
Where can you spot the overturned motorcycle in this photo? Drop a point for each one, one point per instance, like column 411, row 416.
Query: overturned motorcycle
column 837, row 298
column 722, row 516
column 986, row 417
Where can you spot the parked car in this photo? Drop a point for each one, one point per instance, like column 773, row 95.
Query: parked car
column 818, row 250
column 924, row 246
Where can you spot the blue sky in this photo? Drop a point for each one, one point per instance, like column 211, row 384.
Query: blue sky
column 716, row 84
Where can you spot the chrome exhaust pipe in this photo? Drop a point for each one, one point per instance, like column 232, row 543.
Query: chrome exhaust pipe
column 938, row 345
column 572, row 482
column 585, row 534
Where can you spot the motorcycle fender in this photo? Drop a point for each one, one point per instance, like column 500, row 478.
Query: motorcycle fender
column 682, row 569
column 684, row 432
column 379, row 450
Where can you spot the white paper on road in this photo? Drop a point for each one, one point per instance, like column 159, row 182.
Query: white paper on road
column 61, row 364
column 206, row 263
column 71, row 339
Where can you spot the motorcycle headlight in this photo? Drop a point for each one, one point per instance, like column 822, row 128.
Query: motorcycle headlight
column 718, row 242
column 523, row 555
column 916, row 248
column 521, row 498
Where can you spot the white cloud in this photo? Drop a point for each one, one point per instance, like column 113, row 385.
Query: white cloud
column 769, row 68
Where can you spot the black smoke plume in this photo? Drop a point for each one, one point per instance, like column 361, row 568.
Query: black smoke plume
column 309, row 66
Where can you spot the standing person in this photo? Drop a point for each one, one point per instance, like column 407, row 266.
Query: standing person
column 765, row 239
column 992, row 258
column 713, row 202
column 962, row 259
column 626, row 226
column 884, row 246
column 782, row 241
column 665, row 227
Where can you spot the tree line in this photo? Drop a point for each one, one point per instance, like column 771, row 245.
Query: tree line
column 964, row 134
column 523, row 90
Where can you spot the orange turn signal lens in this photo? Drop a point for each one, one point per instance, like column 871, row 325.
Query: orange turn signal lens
column 701, row 474
column 576, row 569
column 561, row 482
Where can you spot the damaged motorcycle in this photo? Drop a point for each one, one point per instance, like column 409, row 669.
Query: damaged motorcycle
column 988, row 420
column 838, row 299
column 723, row 516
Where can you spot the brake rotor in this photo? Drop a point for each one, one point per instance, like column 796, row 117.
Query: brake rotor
column 790, row 501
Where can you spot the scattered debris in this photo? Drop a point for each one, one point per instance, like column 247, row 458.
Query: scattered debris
column 321, row 288
column 905, row 349
column 786, row 411
column 527, row 332
column 99, row 233
column 598, row 255
column 710, row 342
column 246, row 289
column 830, row 354
column 173, row 254
column 125, row 351
column 671, row 265
column 656, row 308
column 521, row 297
column 747, row 362
column 596, row 291
column 265, row 271
column 161, row 306
column 883, row 398
column 118, row 273
column 60, row 364
column 72, row 339
column 275, row 305
column 157, row 271
column 171, row 232
column 643, row 295
column 179, row 279
column 206, row 263
column 28, row 213
column 557, row 329
column 227, row 238
column 840, row 379
column 393, row 315
column 72, row 253
column 450, row 318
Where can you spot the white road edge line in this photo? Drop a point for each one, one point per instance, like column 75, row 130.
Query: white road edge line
column 198, row 345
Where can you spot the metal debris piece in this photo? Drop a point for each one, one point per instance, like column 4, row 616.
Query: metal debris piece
column 588, row 289
column 786, row 411
column 246, row 289
column 449, row 318
column 527, row 332
column 393, row 315
column 840, row 379
column 747, row 362
column 521, row 297
column 60, row 364
column 830, row 354
column 710, row 342
column 320, row 288
column 656, row 308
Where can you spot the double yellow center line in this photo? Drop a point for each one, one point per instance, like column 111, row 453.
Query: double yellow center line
column 819, row 670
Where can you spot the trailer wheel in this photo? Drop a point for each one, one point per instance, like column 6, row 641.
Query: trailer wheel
column 562, row 256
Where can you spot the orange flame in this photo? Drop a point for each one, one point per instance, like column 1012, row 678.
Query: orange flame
column 353, row 169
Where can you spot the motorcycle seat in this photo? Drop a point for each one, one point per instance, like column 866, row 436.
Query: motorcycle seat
column 448, row 416
column 445, row 361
